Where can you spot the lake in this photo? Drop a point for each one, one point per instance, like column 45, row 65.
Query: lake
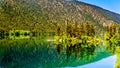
column 45, row 52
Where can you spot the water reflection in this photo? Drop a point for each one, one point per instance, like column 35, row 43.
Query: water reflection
column 80, row 50
column 24, row 49
column 77, row 50
column 34, row 53
column 21, row 53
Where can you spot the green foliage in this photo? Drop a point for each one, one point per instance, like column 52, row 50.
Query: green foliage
column 112, row 38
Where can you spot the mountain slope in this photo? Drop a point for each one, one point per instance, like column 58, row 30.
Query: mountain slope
column 43, row 15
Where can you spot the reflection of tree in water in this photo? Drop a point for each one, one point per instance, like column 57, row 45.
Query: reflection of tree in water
column 68, row 52
column 59, row 48
column 78, row 50
column 3, row 34
column 21, row 53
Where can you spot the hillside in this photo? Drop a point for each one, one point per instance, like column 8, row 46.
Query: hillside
column 43, row 15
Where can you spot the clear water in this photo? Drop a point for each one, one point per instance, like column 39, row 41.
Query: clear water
column 46, row 52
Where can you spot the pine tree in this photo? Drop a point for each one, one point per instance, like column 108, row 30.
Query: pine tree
column 58, row 29
column 75, row 29
column 112, row 29
column 82, row 30
column 90, row 29
column 118, row 29
column 68, row 29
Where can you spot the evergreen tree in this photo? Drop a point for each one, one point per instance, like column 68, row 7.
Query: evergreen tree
column 68, row 29
column 82, row 30
column 87, row 25
column 58, row 30
column 112, row 29
column 92, row 30
column 75, row 29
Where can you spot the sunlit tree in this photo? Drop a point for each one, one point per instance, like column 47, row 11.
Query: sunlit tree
column 90, row 29
column 82, row 29
column 68, row 28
